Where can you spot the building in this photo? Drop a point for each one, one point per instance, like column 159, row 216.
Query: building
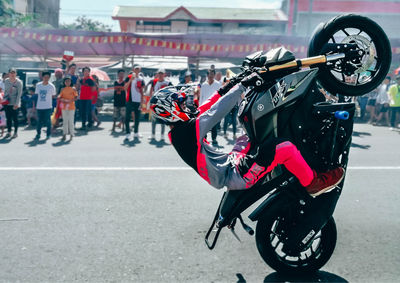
column 45, row 11
column 305, row 15
column 189, row 20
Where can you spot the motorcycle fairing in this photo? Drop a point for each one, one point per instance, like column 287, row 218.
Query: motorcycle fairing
column 276, row 56
column 257, row 110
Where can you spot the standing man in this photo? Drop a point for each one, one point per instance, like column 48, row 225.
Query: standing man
column 161, row 83
column 88, row 87
column 119, row 99
column 134, row 85
column 58, row 73
column 46, row 92
column 382, row 101
column 12, row 93
column 394, row 95
column 208, row 88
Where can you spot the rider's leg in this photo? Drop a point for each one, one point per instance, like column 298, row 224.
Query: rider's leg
column 287, row 154
column 277, row 151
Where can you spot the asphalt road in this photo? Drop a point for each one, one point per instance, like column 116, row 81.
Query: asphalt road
column 144, row 223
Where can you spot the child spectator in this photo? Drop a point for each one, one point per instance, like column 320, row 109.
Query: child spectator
column 67, row 97
column 31, row 106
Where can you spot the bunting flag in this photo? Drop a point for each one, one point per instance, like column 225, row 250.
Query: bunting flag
column 194, row 48
column 142, row 41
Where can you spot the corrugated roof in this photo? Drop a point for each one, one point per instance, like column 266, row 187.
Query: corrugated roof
column 200, row 13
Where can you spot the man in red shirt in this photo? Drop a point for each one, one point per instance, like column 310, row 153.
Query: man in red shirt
column 88, row 87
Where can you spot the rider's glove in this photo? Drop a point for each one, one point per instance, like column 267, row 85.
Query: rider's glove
column 252, row 80
column 223, row 90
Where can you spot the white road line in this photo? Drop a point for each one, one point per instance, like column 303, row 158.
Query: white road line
column 94, row 168
column 39, row 168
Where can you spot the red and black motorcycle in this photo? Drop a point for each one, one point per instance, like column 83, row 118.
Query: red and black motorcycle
column 349, row 55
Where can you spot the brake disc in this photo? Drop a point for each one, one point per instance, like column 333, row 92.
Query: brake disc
column 365, row 44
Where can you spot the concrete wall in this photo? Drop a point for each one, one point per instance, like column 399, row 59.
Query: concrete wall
column 21, row 6
column 179, row 26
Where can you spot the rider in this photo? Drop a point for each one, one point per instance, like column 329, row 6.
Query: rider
column 238, row 169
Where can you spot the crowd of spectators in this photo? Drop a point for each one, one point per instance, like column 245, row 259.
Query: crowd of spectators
column 381, row 106
column 70, row 98
column 47, row 103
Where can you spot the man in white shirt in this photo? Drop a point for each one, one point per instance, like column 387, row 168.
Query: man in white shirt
column 208, row 88
column 46, row 91
column 382, row 101
column 134, row 93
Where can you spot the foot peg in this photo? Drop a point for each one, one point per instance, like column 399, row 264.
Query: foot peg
column 246, row 227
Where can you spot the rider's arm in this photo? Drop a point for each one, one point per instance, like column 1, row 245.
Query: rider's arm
column 218, row 108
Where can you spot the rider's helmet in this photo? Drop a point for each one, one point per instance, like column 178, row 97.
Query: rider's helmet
column 168, row 104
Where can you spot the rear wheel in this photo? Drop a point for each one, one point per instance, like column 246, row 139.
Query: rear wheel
column 370, row 39
column 311, row 259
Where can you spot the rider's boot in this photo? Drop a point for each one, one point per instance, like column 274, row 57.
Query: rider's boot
column 323, row 182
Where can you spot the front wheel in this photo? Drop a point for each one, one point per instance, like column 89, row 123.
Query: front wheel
column 311, row 259
column 346, row 77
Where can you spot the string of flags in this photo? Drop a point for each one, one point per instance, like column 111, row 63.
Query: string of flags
column 141, row 41
column 149, row 42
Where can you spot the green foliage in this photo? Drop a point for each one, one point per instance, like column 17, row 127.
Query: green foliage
column 10, row 18
column 83, row 23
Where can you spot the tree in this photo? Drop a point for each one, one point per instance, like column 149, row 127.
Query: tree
column 83, row 23
column 10, row 18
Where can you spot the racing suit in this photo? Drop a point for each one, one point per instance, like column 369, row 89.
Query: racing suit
column 227, row 169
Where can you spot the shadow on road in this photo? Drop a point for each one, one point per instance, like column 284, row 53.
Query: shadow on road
column 5, row 140
column 360, row 134
column 362, row 146
column 131, row 143
column 35, row 142
column 61, row 143
column 116, row 134
column 319, row 276
column 158, row 144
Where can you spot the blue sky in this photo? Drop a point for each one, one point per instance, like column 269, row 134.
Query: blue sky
column 101, row 9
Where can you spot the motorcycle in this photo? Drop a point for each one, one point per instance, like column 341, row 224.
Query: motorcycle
column 349, row 55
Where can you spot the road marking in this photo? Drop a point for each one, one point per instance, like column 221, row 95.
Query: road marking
column 39, row 168
column 374, row 167
column 94, row 168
